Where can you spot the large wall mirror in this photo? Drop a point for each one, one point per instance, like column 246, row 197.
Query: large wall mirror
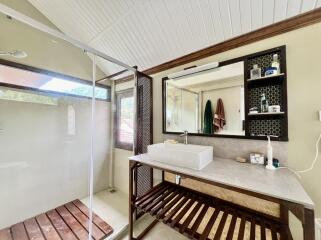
column 209, row 102
column 215, row 99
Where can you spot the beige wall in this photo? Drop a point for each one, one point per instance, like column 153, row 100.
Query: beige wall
column 44, row 51
column 25, row 7
column 304, row 100
column 121, row 156
column 121, row 169
column 232, row 107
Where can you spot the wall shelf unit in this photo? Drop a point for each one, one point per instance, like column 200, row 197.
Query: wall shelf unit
column 275, row 89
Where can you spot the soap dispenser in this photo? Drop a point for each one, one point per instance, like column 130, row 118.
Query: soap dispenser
column 264, row 104
column 269, row 153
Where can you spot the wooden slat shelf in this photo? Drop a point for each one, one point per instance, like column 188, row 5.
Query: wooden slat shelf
column 184, row 210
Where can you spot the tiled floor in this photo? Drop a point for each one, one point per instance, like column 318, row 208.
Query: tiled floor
column 159, row 232
column 112, row 208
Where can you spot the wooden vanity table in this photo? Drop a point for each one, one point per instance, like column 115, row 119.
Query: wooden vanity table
column 225, row 200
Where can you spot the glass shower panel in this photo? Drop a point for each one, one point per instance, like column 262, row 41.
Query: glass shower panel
column 45, row 132
column 173, row 108
column 189, row 111
column 110, row 163
column 182, row 109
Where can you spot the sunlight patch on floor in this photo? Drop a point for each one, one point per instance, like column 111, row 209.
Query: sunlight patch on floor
column 112, row 208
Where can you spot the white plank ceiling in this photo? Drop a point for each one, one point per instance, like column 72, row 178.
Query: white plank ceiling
column 147, row 33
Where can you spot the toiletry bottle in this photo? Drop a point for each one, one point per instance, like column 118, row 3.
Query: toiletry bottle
column 276, row 63
column 264, row 104
column 269, row 153
column 255, row 72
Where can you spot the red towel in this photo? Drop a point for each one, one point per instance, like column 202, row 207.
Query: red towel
column 219, row 117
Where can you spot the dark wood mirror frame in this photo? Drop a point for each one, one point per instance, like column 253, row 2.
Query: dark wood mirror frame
column 280, row 81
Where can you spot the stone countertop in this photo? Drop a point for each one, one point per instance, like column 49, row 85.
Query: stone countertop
column 280, row 183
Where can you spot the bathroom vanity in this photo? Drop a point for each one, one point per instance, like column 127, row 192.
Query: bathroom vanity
column 221, row 199
column 226, row 199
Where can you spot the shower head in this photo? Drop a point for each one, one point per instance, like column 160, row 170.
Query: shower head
column 16, row 54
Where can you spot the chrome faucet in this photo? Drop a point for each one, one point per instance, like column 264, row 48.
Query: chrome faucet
column 185, row 134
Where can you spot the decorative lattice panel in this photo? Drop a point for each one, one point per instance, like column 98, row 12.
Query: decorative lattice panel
column 144, row 175
column 273, row 94
column 263, row 61
column 266, row 127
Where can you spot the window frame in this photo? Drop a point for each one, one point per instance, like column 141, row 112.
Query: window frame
column 52, row 74
column 119, row 96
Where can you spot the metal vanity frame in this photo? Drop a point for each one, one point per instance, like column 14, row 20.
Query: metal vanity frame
column 158, row 193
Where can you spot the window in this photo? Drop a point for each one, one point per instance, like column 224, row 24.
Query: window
column 124, row 120
column 73, row 88
column 19, row 96
column 25, row 77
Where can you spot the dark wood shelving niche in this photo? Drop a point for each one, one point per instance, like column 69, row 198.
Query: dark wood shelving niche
column 184, row 210
column 275, row 89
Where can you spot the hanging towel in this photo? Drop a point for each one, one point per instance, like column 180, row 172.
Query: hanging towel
column 219, row 117
column 208, row 118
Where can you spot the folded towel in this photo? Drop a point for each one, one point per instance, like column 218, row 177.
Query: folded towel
column 219, row 117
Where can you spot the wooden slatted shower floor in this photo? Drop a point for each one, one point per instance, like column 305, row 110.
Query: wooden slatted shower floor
column 199, row 216
column 67, row 222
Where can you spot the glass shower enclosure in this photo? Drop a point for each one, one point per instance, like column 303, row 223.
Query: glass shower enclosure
column 55, row 132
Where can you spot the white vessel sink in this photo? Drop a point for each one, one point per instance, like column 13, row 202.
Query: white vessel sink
column 182, row 155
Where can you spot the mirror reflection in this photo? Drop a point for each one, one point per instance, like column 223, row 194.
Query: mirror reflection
column 207, row 102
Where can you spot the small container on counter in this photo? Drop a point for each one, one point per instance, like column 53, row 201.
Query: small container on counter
column 276, row 162
column 257, row 158
column 241, row 159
